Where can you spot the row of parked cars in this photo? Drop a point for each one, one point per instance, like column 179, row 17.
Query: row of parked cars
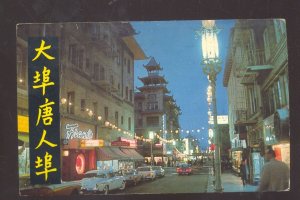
column 96, row 181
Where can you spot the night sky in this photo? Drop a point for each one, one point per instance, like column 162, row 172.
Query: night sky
column 177, row 48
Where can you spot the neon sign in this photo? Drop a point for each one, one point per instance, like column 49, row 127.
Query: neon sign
column 73, row 132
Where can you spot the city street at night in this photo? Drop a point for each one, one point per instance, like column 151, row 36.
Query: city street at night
column 173, row 183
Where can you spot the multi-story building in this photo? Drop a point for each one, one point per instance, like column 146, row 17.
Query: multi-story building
column 256, row 77
column 96, row 93
column 156, row 111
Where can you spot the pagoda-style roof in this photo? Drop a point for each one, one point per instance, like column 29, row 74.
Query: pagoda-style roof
column 153, row 79
column 152, row 65
column 169, row 98
column 153, row 88
column 139, row 95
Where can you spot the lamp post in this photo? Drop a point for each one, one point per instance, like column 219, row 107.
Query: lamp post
column 211, row 67
column 151, row 137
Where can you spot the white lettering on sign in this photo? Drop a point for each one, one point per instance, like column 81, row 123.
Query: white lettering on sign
column 73, row 132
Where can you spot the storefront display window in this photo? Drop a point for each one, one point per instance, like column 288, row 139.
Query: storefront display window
column 24, row 165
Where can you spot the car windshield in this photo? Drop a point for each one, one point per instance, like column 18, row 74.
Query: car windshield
column 184, row 165
column 90, row 175
column 156, row 168
column 143, row 169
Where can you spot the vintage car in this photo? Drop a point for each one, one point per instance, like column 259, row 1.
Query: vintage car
column 96, row 181
column 159, row 171
column 147, row 172
column 62, row 189
column 184, row 168
column 131, row 176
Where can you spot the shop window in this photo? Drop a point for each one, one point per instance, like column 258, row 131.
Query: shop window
column 80, row 164
column 71, row 102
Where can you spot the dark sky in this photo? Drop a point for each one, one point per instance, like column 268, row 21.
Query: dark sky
column 176, row 46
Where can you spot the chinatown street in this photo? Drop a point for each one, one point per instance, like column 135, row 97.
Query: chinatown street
column 173, row 183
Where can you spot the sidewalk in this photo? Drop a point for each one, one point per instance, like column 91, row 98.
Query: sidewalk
column 230, row 183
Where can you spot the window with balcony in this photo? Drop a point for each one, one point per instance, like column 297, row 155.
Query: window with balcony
column 102, row 73
column 116, row 118
column 151, row 97
column 126, row 93
column 140, row 122
column 72, row 56
column 152, row 106
column 130, row 95
column 129, row 123
column 87, row 66
column 70, row 102
column 96, row 71
column 106, row 113
column 95, row 109
column 253, row 100
column 80, row 59
column 122, row 120
column 152, row 121
column 82, row 105
column 128, row 67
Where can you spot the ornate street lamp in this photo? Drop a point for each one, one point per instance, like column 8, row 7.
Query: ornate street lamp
column 211, row 67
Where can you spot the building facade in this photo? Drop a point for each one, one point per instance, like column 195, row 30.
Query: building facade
column 96, row 93
column 256, row 77
column 156, row 111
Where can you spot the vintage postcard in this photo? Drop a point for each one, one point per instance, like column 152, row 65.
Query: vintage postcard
column 152, row 107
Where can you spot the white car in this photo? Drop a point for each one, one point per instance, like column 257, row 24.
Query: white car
column 147, row 172
column 96, row 181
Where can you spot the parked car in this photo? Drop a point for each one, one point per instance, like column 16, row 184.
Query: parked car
column 131, row 176
column 64, row 188
column 96, row 181
column 159, row 171
column 184, row 169
column 147, row 172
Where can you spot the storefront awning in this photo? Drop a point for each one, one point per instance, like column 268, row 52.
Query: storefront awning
column 133, row 154
column 115, row 153
column 106, row 153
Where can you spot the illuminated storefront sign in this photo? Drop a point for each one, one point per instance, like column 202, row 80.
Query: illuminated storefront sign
column 23, row 124
column 44, row 118
column 91, row 143
column 73, row 132
column 222, row 119
column 120, row 143
column 132, row 143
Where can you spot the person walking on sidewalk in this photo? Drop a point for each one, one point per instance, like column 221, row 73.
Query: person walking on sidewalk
column 243, row 172
column 275, row 174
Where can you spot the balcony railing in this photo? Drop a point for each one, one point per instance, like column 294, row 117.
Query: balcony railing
column 255, row 58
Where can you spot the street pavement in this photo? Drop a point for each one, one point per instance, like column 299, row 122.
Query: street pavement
column 230, row 183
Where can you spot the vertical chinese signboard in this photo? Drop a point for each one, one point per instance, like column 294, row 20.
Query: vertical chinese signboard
column 44, row 119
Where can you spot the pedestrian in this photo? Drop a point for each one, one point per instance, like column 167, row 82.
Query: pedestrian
column 275, row 174
column 243, row 172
